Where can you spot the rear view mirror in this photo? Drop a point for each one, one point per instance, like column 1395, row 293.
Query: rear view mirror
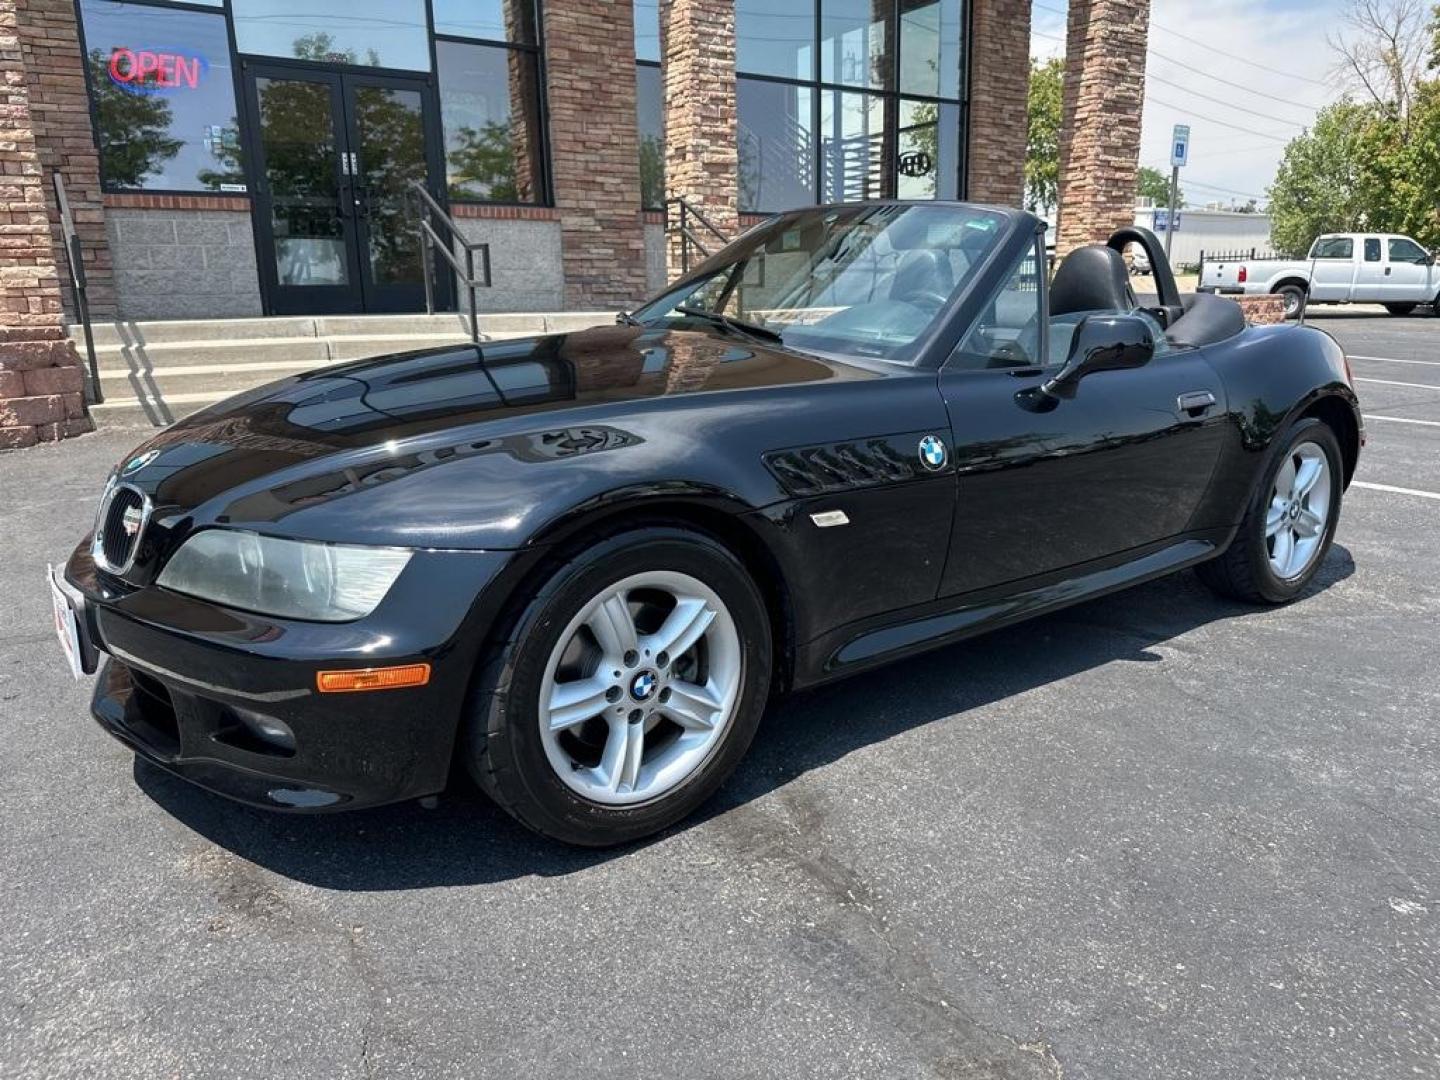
column 1102, row 343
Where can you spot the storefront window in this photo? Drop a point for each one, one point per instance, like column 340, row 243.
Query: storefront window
column 650, row 104
column 931, row 40
column 372, row 33
column 775, row 37
column 852, row 42
column 777, row 156
column 487, row 20
column 852, row 146
column 820, row 111
column 490, row 109
column 928, row 165
column 164, row 97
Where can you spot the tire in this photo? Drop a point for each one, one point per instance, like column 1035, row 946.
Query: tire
column 1294, row 298
column 1400, row 309
column 1247, row 568
column 571, row 783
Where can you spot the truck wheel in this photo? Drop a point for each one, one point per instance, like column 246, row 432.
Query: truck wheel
column 1400, row 309
column 1293, row 297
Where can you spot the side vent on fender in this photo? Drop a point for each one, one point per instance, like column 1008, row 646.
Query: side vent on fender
column 817, row 470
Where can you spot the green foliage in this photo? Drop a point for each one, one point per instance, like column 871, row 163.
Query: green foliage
column 482, row 164
column 134, row 128
column 1362, row 168
column 1042, row 147
column 1153, row 184
column 1324, row 183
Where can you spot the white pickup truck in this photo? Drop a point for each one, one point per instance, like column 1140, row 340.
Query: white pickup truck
column 1347, row 268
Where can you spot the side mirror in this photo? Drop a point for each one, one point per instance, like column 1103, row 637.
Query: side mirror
column 1102, row 343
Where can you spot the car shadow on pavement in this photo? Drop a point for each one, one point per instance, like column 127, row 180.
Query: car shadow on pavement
column 467, row 840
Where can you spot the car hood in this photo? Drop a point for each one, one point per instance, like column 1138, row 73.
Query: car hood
column 282, row 450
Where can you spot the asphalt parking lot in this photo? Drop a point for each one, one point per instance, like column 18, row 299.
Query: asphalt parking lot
column 1158, row 835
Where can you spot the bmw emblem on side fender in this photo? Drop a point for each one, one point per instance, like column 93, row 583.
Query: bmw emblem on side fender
column 933, row 454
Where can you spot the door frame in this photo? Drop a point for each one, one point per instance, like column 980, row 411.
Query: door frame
column 352, row 298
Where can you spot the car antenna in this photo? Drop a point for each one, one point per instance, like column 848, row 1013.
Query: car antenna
column 1314, row 257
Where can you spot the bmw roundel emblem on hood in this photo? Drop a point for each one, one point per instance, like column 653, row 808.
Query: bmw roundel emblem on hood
column 933, row 454
column 135, row 464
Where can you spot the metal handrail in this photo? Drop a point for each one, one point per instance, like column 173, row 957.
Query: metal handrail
column 74, row 259
column 431, row 243
column 688, row 236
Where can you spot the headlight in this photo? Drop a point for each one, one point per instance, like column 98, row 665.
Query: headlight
column 291, row 578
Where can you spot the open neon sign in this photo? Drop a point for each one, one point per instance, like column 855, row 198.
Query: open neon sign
column 149, row 70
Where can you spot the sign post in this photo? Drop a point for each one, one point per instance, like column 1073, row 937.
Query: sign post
column 1179, row 155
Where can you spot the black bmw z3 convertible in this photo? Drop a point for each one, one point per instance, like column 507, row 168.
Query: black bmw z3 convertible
column 584, row 563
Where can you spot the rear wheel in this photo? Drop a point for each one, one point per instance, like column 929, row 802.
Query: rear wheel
column 629, row 690
column 1400, row 309
column 1293, row 297
column 1290, row 523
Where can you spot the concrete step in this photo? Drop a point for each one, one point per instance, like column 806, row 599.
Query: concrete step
column 224, row 330
column 153, row 373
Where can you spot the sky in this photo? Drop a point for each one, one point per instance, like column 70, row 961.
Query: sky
column 1246, row 75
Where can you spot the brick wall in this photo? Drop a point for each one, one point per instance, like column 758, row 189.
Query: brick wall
column 1100, row 134
column 702, row 160
column 999, row 89
column 40, row 375
column 595, row 148
column 60, row 108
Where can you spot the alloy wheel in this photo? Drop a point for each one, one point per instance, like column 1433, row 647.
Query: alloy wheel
column 1299, row 511
column 640, row 688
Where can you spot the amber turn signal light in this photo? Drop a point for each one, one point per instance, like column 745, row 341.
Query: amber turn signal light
column 374, row 678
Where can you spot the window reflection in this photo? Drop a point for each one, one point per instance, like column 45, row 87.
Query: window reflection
column 650, row 107
column 373, row 33
column 777, row 145
column 489, row 106
column 164, row 98
column 490, row 20
column 931, row 38
column 775, row 37
column 852, row 42
column 848, row 62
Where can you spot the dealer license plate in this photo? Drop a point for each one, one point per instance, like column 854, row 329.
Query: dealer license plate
column 67, row 627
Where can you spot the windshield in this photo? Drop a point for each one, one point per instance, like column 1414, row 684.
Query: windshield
column 864, row 280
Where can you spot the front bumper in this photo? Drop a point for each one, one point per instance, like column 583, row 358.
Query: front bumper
column 194, row 687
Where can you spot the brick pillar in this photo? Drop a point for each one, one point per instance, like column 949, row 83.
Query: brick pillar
column 999, row 91
column 702, row 160
column 590, row 60
column 1100, row 134
column 40, row 375
column 60, row 106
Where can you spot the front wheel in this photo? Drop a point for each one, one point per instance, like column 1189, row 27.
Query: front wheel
column 1290, row 523
column 1293, row 297
column 1400, row 309
column 630, row 688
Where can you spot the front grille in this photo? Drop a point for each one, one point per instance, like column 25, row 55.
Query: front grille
column 122, row 521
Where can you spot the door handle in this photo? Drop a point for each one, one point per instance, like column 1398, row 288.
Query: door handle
column 1195, row 404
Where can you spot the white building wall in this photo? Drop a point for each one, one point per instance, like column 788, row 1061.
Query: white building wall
column 1210, row 230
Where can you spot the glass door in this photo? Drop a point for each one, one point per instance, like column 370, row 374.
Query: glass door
column 387, row 136
column 332, row 155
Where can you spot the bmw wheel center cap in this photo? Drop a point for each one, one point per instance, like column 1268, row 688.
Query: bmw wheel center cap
column 642, row 687
column 933, row 454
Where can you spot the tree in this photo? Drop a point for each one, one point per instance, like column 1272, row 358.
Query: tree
column 134, row 126
column 1042, row 147
column 1323, row 183
column 1383, row 49
column 1153, row 184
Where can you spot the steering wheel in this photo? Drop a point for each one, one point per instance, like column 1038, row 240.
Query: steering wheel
column 927, row 298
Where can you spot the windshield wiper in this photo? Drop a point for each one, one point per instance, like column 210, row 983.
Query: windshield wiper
column 738, row 325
